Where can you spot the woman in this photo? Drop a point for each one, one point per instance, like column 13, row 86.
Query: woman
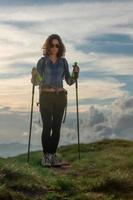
column 51, row 69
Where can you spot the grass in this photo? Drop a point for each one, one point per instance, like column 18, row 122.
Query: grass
column 105, row 172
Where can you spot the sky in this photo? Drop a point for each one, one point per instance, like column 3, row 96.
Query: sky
column 98, row 35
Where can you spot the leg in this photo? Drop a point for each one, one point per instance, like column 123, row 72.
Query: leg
column 46, row 109
column 58, row 110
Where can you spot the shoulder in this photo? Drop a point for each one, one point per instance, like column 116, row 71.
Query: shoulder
column 41, row 59
column 40, row 63
column 64, row 60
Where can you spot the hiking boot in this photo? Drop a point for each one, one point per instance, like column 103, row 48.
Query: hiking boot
column 55, row 161
column 46, row 160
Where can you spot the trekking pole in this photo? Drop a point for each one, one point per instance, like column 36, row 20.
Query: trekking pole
column 76, row 87
column 33, row 89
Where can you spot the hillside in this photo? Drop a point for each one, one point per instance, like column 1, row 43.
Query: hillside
column 105, row 172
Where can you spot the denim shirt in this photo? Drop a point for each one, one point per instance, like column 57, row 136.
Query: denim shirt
column 52, row 74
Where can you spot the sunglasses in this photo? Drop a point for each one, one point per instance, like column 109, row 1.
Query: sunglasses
column 54, row 45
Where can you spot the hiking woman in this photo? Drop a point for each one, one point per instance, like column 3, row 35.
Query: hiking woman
column 51, row 69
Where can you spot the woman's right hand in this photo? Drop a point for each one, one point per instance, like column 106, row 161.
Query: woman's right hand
column 34, row 73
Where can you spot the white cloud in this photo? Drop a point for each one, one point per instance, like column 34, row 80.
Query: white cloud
column 96, row 88
column 112, row 121
column 75, row 26
column 113, row 63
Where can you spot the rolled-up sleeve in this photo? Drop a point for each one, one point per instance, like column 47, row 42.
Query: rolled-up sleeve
column 69, row 78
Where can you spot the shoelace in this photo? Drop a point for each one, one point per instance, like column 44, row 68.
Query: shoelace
column 48, row 158
column 56, row 158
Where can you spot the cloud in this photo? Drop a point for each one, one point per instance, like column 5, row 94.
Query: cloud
column 103, row 16
column 114, row 64
column 98, row 88
column 5, row 108
column 112, row 121
column 29, row 30
column 108, row 121
column 119, row 119
column 41, row 2
column 120, row 44
column 95, row 117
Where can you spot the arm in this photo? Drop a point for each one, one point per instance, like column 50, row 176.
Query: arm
column 68, row 78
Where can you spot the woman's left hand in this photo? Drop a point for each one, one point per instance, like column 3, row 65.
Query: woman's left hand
column 76, row 69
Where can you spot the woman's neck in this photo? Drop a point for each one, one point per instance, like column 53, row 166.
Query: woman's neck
column 53, row 56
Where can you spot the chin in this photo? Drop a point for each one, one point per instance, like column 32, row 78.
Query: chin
column 55, row 53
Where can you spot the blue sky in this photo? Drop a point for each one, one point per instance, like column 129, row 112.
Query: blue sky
column 97, row 34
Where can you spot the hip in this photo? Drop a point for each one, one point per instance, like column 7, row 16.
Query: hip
column 49, row 99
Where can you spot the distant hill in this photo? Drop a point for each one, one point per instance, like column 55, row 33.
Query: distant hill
column 13, row 149
column 105, row 172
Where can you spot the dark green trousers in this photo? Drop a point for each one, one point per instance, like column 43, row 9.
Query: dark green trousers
column 52, row 107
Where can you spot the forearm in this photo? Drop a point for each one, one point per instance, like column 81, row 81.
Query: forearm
column 71, row 79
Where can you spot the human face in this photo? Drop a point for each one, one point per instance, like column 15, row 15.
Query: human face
column 54, row 47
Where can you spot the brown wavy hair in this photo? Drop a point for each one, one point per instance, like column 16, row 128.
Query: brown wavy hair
column 48, row 42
